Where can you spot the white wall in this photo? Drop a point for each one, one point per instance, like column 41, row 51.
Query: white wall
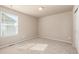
column 27, row 29
column 76, row 27
column 57, row 27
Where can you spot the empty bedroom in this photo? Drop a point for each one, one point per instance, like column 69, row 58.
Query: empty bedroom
column 39, row 29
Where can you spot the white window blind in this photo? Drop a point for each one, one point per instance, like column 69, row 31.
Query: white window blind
column 8, row 23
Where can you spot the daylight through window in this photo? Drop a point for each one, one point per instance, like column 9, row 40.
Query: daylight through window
column 8, row 24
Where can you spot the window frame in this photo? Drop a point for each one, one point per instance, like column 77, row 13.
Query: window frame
column 4, row 24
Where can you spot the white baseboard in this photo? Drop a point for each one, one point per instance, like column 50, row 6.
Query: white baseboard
column 13, row 43
column 46, row 36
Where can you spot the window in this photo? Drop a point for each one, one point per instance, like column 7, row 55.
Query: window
column 8, row 24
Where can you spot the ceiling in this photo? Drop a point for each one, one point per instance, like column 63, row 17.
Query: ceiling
column 47, row 10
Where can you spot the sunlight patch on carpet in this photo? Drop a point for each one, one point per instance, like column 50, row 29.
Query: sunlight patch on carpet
column 39, row 47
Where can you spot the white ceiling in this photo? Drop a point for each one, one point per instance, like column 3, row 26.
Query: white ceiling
column 33, row 9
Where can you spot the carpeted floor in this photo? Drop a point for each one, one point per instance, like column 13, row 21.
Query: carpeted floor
column 39, row 46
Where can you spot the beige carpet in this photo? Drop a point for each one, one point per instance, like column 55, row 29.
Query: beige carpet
column 40, row 46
